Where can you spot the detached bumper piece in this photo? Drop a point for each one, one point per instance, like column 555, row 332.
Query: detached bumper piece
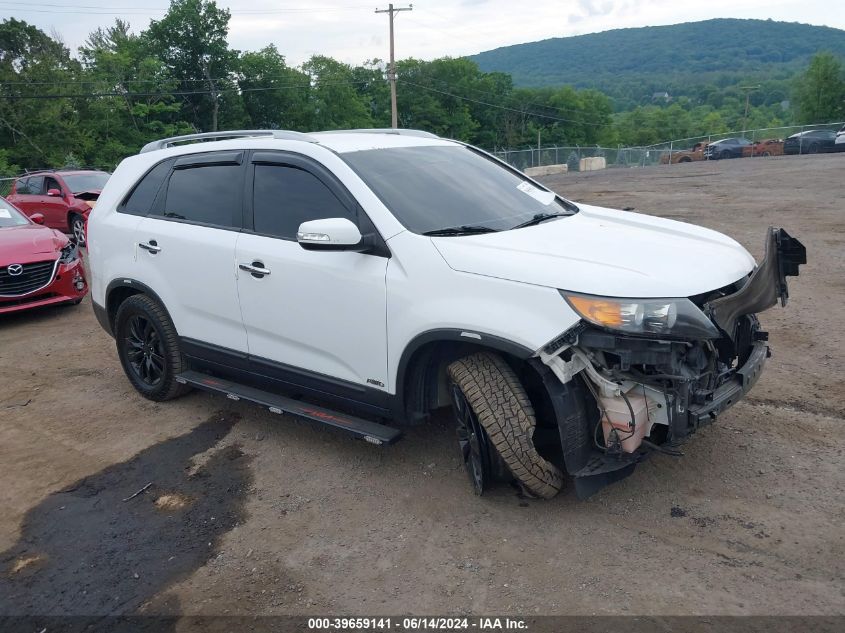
column 371, row 432
column 767, row 284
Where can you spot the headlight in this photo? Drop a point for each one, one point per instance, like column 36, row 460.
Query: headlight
column 69, row 253
column 655, row 317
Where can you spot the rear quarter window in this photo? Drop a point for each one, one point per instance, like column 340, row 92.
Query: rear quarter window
column 140, row 200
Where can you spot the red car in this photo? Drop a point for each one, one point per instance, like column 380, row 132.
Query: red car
column 38, row 265
column 64, row 198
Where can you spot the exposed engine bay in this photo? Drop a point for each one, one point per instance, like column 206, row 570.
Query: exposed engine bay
column 652, row 392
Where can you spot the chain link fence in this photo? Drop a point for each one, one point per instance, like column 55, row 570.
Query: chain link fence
column 764, row 142
column 6, row 186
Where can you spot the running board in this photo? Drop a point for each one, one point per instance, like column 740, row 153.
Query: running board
column 371, row 432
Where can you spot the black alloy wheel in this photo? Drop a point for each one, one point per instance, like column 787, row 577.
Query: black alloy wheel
column 473, row 442
column 144, row 350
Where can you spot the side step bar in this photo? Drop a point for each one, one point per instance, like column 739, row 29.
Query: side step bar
column 371, row 432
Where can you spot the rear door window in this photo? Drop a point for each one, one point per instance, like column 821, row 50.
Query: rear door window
column 35, row 186
column 205, row 192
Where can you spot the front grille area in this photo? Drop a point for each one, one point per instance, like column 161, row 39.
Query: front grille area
column 34, row 276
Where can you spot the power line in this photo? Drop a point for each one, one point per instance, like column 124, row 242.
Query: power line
column 88, row 9
column 180, row 93
column 105, row 80
column 501, row 107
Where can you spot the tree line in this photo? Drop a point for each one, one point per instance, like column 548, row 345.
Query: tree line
column 123, row 89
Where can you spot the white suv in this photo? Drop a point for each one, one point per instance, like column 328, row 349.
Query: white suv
column 391, row 272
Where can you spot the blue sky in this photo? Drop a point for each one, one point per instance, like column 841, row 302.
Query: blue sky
column 352, row 32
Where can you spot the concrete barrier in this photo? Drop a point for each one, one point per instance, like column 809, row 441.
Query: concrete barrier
column 546, row 170
column 592, row 164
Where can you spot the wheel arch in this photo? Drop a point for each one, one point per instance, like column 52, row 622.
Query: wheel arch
column 74, row 210
column 421, row 372
column 118, row 291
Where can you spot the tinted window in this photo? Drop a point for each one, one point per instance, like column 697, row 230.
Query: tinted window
column 140, row 201
column 285, row 197
column 51, row 183
column 208, row 194
column 22, row 186
column 93, row 181
column 430, row 188
column 35, row 185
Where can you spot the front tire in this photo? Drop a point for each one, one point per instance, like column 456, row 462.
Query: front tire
column 496, row 400
column 148, row 348
column 77, row 229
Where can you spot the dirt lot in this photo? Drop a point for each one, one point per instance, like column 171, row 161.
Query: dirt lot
column 248, row 513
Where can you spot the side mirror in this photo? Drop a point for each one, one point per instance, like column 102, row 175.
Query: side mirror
column 37, row 218
column 331, row 234
column 54, row 193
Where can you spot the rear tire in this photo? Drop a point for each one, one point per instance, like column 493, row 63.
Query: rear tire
column 148, row 348
column 501, row 406
column 814, row 148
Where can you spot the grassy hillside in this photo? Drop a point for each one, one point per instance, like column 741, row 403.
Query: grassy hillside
column 655, row 58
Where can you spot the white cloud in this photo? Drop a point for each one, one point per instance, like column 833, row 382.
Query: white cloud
column 352, row 32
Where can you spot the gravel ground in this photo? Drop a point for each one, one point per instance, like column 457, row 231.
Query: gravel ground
column 250, row 514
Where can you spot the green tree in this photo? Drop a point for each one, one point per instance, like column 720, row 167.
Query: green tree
column 336, row 103
column 274, row 95
column 117, row 61
column 35, row 129
column 191, row 42
column 820, row 93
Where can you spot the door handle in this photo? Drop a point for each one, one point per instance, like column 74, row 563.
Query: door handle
column 152, row 247
column 256, row 269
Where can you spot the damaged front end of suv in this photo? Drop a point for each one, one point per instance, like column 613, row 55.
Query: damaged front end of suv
column 641, row 375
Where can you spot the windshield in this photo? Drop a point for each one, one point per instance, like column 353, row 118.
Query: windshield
column 432, row 188
column 10, row 216
column 86, row 182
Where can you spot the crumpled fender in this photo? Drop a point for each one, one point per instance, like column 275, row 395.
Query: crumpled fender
column 783, row 255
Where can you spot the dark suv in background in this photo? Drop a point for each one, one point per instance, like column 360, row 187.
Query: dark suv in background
column 810, row 142
column 65, row 198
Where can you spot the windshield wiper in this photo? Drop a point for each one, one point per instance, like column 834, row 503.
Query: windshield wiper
column 540, row 217
column 466, row 229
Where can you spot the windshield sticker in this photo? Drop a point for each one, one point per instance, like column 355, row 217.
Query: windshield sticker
column 5, row 213
column 544, row 197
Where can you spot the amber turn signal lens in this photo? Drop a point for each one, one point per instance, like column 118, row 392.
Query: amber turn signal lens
column 599, row 311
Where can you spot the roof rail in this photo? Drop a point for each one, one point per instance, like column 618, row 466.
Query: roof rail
column 209, row 136
column 384, row 130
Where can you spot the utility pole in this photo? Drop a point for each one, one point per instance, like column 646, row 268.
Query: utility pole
column 391, row 72
column 748, row 90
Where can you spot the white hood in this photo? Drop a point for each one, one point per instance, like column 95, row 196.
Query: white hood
column 604, row 252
